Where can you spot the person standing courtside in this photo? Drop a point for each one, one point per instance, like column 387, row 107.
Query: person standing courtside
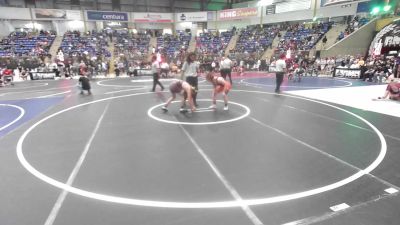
column 226, row 68
column 189, row 71
column 280, row 72
column 155, row 69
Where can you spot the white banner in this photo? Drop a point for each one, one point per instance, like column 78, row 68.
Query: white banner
column 74, row 15
column 191, row 17
column 56, row 14
column 152, row 17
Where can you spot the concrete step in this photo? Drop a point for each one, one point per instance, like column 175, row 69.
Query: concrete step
column 192, row 44
column 55, row 46
column 232, row 44
column 270, row 51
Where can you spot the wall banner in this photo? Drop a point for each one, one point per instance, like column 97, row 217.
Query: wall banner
column 50, row 14
column 153, row 17
column 107, row 16
column 56, row 14
column 232, row 14
column 191, row 17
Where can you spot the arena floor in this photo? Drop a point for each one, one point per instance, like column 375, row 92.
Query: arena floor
column 311, row 155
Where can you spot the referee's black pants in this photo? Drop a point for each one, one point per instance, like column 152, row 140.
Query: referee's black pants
column 225, row 72
column 156, row 81
column 194, row 82
column 279, row 80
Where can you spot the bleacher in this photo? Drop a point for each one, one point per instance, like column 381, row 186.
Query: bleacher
column 300, row 38
column 255, row 39
column 173, row 45
column 354, row 25
column 132, row 46
column 213, row 42
column 93, row 45
column 26, row 44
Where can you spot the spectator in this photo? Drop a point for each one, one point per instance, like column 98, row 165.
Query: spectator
column 324, row 40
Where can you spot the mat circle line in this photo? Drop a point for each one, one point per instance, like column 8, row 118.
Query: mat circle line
column 22, row 113
column 100, row 83
column 215, row 204
column 27, row 87
column 243, row 81
column 150, row 114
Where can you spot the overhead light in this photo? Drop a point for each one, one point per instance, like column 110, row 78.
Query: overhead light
column 375, row 10
column 387, row 8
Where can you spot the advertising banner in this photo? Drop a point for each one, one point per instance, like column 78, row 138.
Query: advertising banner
column 74, row 15
column 232, row 14
column 348, row 73
column 56, row 14
column 191, row 17
column 107, row 16
column 50, row 14
column 152, row 17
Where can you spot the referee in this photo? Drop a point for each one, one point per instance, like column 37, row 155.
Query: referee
column 280, row 69
column 226, row 68
column 189, row 70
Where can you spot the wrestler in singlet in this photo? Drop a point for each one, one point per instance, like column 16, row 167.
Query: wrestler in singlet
column 176, row 87
column 221, row 85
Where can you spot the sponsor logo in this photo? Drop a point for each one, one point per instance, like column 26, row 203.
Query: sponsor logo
column 93, row 15
column 183, row 17
column 239, row 13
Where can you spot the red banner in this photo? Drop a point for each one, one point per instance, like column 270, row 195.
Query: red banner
column 232, row 14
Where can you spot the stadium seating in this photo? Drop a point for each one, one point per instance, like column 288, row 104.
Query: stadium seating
column 255, row 39
column 26, row 44
column 300, row 38
column 172, row 45
column 94, row 44
column 133, row 46
column 213, row 42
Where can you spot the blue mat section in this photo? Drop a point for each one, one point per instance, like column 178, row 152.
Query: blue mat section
column 32, row 107
column 306, row 83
